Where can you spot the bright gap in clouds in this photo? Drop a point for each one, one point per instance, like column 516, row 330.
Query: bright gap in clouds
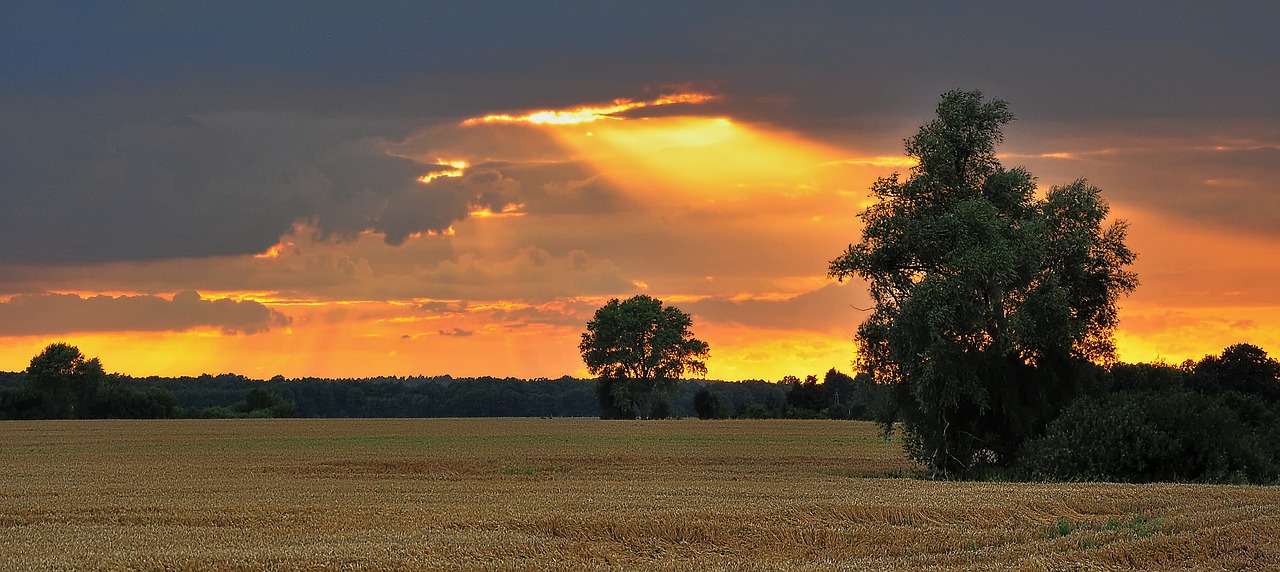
column 590, row 114
column 729, row 219
column 716, row 172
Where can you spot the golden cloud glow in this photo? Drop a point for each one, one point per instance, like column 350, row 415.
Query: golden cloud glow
column 458, row 168
column 906, row 162
column 275, row 250
column 698, row 184
column 700, row 156
column 506, row 212
column 589, row 114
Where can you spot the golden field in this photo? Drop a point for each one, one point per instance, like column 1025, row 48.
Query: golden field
column 576, row 494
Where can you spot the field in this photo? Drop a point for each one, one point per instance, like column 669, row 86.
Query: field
column 539, row 494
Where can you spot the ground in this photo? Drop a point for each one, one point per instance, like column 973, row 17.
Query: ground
column 574, row 494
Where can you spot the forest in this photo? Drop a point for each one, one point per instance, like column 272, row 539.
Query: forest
column 231, row 395
column 1215, row 419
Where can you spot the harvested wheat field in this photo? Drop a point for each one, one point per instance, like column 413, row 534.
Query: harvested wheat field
column 537, row 494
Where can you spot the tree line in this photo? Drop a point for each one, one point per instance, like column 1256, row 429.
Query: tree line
column 62, row 383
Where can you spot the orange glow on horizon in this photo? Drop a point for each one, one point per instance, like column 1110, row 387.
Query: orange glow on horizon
column 759, row 189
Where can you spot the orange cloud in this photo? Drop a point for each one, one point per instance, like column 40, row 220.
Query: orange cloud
column 590, row 114
column 556, row 211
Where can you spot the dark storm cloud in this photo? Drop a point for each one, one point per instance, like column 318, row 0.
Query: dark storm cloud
column 445, row 200
column 229, row 184
column 44, row 314
column 162, row 130
column 559, row 188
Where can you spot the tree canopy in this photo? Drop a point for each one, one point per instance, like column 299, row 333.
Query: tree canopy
column 636, row 348
column 991, row 303
column 65, row 382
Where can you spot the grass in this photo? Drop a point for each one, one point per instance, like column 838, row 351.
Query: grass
column 576, row 494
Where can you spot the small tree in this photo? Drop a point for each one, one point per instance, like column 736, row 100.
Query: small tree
column 262, row 403
column 706, row 404
column 637, row 348
column 64, row 381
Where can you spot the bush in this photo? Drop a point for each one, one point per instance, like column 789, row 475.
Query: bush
column 706, row 404
column 19, row 403
column 756, row 412
column 1143, row 436
column 661, row 409
column 121, row 401
column 262, row 403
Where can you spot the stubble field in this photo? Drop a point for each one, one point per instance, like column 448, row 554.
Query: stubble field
column 538, row 494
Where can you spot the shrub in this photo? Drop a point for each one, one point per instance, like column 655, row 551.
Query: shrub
column 706, row 404
column 1159, row 436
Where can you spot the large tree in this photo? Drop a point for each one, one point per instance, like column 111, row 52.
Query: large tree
column 991, row 303
column 637, row 348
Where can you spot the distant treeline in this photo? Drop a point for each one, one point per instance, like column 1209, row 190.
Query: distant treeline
column 232, row 395
column 1216, row 419
column 62, row 383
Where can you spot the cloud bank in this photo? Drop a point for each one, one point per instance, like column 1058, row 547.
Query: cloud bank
column 55, row 314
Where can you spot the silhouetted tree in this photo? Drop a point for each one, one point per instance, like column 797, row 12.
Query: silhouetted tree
column 64, row 381
column 262, row 403
column 706, row 404
column 1244, row 368
column 637, row 348
column 805, row 398
column 990, row 304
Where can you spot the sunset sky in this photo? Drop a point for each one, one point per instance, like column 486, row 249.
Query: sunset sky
column 420, row 189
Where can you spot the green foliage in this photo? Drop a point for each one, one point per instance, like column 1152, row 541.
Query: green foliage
column 1061, row 529
column 121, row 401
column 262, row 403
column 1141, row 525
column 661, row 409
column 805, row 398
column 1175, row 435
column 838, row 396
column 18, row 403
column 65, row 382
column 61, row 382
column 756, row 411
column 990, row 304
column 706, row 404
column 637, row 348
column 1138, row 525
column 1216, row 420
column 1146, row 377
column 1243, row 368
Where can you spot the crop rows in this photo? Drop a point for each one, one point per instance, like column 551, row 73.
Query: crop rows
column 521, row 494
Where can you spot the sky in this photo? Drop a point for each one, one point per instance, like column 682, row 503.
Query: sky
column 405, row 188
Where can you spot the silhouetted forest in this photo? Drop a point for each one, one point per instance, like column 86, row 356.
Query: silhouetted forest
column 62, row 383
column 231, row 395
column 1216, row 419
